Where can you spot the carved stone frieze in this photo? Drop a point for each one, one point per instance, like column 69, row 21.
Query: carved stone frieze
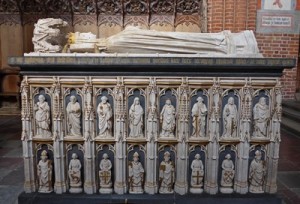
column 153, row 139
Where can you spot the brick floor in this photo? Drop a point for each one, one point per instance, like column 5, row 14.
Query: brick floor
column 11, row 164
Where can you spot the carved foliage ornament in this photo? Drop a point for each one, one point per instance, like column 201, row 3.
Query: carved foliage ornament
column 109, row 7
column 136, row 7
column 32, row 6
column 162, row 7
column 57, row 6
column 188, row 7
column 83, row 6
column 8, row 6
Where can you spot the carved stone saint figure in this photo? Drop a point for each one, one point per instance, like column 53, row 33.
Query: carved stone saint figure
column 197, row 175
column 105, row 175
column 261, row 116
column 75, row 174
column 166, row 175
column 136, row 113
column 73, row 117
column 167, row 118
column 44, row 172
column 105, row 114
column 257, row 174
column 42, row 117
column 199, row 112
column 136, row 175
column 230, row 119
column 227, row 175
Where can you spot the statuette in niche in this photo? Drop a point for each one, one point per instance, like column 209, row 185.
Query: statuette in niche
column 44, row 172
column 166, row 175
column 136, row 113
column 261, row 116
column 167, row 118
column 105, row 175
column 136, row 175
column 197, row 175
column 230, row 119
column 73, row 117
column 75, row 174
column 105, row 114
column 42, row 117
column 227, row 175
column 199, row 112
column 257, row 174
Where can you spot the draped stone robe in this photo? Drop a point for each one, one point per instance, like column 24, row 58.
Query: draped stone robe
column 73, row 120
column 136, row 176
column 104, row 111
column 44, row 171
column 75, row 173
column 42, row 118
column 136, row 113
column 166, row 176
column 261, row 116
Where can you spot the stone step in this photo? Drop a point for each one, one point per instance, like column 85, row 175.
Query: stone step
column 291, row 104
column 291, row 126
column 291, row 113
column 30, row 198
column 291, row 117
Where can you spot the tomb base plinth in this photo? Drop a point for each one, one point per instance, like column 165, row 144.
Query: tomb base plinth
column 208, row 108
column 35, row 198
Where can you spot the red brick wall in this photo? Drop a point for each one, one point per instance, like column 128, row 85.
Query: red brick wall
column 281, row 46
column 238, row 15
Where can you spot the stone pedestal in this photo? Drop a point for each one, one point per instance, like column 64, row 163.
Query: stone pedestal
column 180, row 79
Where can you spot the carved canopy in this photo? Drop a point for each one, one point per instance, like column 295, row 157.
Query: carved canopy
column 111, row 12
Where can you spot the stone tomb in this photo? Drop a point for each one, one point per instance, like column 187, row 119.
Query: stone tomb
column 155, row 125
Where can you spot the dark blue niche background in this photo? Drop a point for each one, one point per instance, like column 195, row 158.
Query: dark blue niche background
column 252, row 153
column 224, row 102
column 111, row 102
column 50, row 157
column 79, row 100
column 136, row 148
column 193, row 102
column 255, row 100
column 222, row 155
column 137, row 94
column 111, row 156
column 80, row 156
column 192, row 157
column 47, row 100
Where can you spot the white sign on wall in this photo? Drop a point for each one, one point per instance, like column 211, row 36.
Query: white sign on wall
column 276, row 21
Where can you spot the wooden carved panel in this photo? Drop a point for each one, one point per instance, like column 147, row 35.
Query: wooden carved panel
column 9, row 6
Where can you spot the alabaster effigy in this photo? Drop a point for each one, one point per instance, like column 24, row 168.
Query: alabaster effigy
column 128, row 118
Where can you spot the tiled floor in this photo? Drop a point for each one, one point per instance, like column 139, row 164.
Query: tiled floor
column 11, row 161
column 11, row 164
